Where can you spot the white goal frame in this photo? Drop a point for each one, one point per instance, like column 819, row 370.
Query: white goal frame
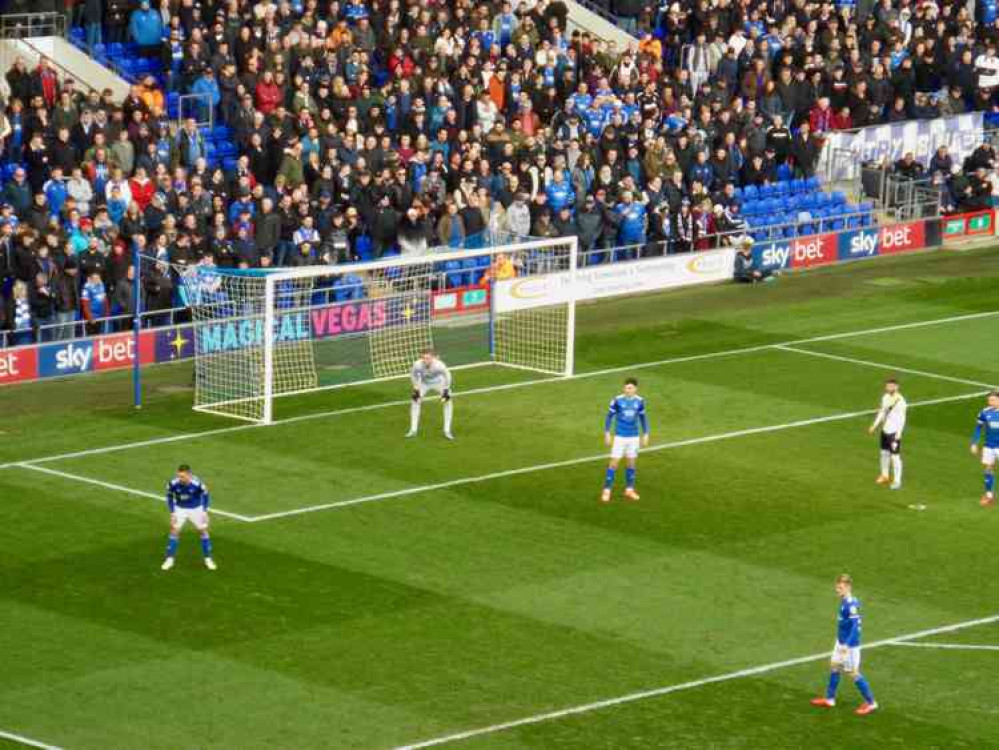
column 552, row 288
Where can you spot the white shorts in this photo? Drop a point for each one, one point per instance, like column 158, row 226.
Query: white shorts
column 197, row 516
column 847, row 658
column 625, row 447
column 990, row 456
column 424, row 388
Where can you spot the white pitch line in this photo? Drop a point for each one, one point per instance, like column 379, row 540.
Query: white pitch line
column 597, row 457
column 884, row 366
column 27, row 741
column 508, row 386
column 680, row 687
column 950, row 646
column 122, row 488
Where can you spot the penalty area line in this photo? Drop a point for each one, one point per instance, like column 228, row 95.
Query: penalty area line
column 20, row 739
column 950, row 646
column 776, row 345
column 885, row 366
column 585, row 708
column 121, row 488
column 590, row 459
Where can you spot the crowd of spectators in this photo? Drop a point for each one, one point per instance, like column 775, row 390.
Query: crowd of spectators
column 393, row 126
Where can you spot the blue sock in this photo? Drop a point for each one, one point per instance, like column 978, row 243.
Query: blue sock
column 172, row 545
column 833, row 685
column 206, row 545
column 629, row 477
column 609, row 481
column 990, row 481
column 865, row 689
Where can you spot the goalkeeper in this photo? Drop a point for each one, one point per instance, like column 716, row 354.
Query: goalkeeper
column 430, row 374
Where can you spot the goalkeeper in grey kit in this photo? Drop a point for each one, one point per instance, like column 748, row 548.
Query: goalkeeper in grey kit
column 430, row 374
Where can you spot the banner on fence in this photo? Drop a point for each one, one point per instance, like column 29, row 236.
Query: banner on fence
column 962, row 134
column 614, row 279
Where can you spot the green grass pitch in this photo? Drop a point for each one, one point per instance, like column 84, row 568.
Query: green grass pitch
column 379, row 593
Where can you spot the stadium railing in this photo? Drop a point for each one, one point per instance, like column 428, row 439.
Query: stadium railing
column 458, row 274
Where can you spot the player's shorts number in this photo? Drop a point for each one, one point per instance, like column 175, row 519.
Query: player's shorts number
column 196, row 516
column 846, row 658
column 624, row 447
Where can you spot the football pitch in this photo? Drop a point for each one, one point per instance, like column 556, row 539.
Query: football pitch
column 381, row 593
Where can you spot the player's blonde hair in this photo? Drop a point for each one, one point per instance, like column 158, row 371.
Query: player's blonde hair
column 845, row 578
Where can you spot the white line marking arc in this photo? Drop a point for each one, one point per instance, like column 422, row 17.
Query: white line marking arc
column 657, row 692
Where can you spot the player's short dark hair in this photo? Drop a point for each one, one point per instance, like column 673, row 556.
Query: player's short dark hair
column 631, row 381
column 184, row 468
column 892, row 380
column 994, row 393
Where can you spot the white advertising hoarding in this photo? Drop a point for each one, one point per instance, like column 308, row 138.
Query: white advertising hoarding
column 615, row 279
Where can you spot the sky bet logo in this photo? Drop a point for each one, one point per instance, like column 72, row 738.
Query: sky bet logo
column 66, row 359
column 775, row 255
column 863, row 244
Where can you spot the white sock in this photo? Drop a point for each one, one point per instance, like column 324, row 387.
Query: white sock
column 448, row 414
column 885, row 462
column 896, row 465
column 414, row 416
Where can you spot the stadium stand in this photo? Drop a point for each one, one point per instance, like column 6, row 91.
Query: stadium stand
column 402, row 126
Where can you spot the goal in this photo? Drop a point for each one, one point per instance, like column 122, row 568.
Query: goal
column 264, row 334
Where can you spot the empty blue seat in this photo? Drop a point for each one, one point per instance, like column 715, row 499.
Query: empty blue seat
column 797, row 186
column 813, row 183
column 750, row 192
column 766, row 191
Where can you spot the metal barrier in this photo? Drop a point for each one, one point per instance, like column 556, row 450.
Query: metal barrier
column 77, row 329
column 154, row 319
column 23, row 25
column 200, row 103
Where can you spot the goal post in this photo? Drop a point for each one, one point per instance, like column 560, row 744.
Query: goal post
column 264, row 334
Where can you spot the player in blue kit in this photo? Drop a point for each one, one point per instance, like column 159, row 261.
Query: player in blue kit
column 988, row 423
column 631, row 429
column 846, row 652
column 187, row 498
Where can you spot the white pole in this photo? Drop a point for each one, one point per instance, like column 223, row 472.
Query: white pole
column 570, row 317
column 268, row 412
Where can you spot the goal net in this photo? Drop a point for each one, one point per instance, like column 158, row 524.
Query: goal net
column 264, row 334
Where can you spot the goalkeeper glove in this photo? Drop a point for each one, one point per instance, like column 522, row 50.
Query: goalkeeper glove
column 416, row 395
column 446, row 395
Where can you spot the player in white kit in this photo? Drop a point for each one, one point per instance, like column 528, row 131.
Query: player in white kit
column 430, row 374
column 891, row 420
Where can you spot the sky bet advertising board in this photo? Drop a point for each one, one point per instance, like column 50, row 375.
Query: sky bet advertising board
column 815, row 250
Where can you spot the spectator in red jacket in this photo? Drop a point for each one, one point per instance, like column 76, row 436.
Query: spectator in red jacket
column 821, row 117
column 268, row 93
column 842, row 120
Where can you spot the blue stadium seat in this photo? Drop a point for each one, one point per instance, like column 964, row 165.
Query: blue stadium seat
column 797, row 186
column 813, row 183
column 749, row 192
column 364, row 247
column 454, row 276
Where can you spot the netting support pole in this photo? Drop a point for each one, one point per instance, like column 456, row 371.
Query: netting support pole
column 570, row 316
column 136, row 327
column 492, row 318
column 268, row 341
